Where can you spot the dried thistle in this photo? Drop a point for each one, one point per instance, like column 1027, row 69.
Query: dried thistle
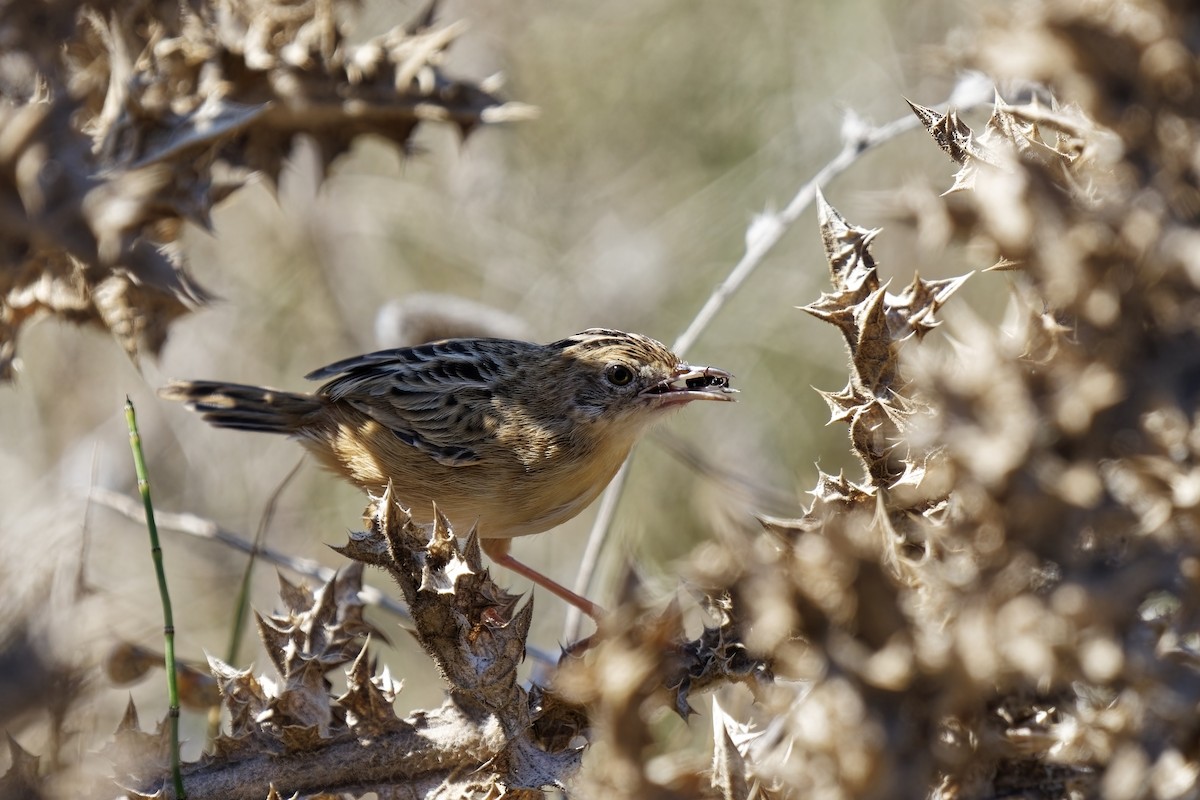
column 151, row 114
column 995, row 607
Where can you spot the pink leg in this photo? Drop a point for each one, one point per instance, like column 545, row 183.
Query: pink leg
column 497, row 550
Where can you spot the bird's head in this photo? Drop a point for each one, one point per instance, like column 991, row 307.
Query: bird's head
column 623, row 378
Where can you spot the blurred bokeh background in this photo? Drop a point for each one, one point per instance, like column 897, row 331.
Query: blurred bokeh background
column 664, row 127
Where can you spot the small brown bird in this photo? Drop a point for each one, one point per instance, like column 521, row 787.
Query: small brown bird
column 511, row 436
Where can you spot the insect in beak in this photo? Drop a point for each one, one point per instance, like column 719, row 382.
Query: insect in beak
column 692, row 383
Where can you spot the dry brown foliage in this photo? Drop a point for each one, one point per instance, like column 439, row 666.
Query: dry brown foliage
column 153, row 112
column 1004, row 604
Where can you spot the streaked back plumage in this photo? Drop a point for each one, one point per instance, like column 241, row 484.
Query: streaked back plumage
column 422, row 417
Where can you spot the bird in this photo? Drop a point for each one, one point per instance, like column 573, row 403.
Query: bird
column 509, row 436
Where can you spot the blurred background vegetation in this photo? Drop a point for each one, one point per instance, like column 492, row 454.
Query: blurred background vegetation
column 664, row 126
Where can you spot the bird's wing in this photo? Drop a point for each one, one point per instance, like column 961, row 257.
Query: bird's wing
column 436, row 398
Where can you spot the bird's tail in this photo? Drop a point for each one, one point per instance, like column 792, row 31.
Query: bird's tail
column 247, row 408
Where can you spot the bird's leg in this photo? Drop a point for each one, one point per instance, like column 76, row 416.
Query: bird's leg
column 497, row 550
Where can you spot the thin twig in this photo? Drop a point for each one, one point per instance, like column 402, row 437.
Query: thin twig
column 606, row 511
column 194, row 525
column 764, row 233
column 768, row 229
column 242, row 612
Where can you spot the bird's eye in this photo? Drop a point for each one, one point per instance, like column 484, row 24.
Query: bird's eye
column 618, row 374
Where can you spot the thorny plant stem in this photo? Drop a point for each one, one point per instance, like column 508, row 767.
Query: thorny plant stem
column 193, row 525
column 143, row 480
column 764, row 235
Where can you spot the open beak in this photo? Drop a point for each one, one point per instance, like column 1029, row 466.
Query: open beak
column 692, row 383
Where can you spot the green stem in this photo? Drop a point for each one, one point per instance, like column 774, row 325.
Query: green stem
column 139, row 462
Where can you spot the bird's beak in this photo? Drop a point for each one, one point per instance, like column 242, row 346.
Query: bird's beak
column 692, row 383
